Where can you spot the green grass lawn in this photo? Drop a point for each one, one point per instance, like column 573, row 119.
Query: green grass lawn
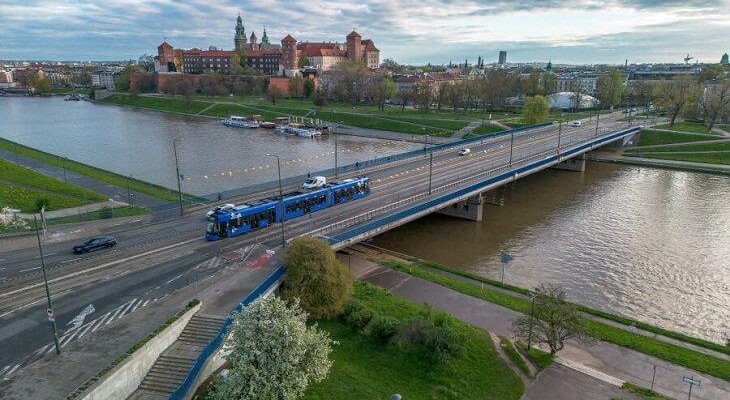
column 20, row 187
column 643, row 393
column 665, row 351
column 542, row 359
column 718, row 146
column 157, row 103
column 484, row 129
column 683, row 153
column 706, row 158
column 93, row 172
column 364, row 369
column 650, row 137
column 513, row 355
column 683, row 126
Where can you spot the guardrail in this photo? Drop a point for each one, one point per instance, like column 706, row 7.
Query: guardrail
column 215, row 343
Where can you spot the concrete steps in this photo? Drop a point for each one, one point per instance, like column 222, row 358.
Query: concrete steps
column 175, row 362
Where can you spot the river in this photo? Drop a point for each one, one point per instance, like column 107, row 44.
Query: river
column 212, row 157
column 650, row 244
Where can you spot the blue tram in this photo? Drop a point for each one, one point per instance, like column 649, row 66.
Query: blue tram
column 259, row 214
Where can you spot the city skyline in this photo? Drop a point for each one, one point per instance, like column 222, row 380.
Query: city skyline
column 436, row 31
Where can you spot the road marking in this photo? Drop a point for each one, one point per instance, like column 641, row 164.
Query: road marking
column 7, row 367
column 29, row 269
column 98, row 267
column 78, row 320
column 15, row 367
column 136, row 305
column 101, row 321
column 145, row 303
column 123, row 309
column 173, row 279
column 43, row 349
column 70, row 338
column 86, row 329
column 21, row 307
column 71, row 260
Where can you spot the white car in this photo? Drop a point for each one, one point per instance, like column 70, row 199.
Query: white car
column 575, row 123
column 315, row 182
column 465, row 152
column 222, row 207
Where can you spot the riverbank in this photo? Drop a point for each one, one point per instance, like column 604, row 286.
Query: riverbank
column 493, row 310
column 146, row 194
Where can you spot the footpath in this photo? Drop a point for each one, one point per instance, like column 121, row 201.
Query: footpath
column 581, row 368
column 658, row 163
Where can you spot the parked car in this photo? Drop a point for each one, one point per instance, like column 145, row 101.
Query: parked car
column 221, row 207
column 465, row 152
column 575, row 123
column 315, row 182
column 95, row 243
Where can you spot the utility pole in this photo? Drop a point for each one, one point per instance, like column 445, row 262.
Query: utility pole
column 652, row 378
column 177, row 174
column 430, row 172
column 63, row 166
column 335, row 156
column 51, row 317
column 281, row 200
column 511, row 146
column 560, row 131
column 532, row 314
column 597, row 118
column 129, row 195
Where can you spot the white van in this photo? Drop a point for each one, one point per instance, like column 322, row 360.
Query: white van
column 465, row 152
column 575, row 123
column 315, row 182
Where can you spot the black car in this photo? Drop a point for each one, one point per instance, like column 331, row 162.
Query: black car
column 94, row 244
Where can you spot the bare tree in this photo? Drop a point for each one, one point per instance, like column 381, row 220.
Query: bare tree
column 404, row 96
column 423, row 95
column 576, row 86
column 675, row 96
column 610, row 88
column 553, row 320
column 296, row 86
column 715, row 103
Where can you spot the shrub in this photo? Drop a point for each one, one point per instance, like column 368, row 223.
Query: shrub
column 435, row 332
column 382, row 329
column 41, row 202
column 359, row 319
column 316, row 278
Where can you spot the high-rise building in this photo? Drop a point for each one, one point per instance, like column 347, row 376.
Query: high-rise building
column 724, row 60
column 502, row 57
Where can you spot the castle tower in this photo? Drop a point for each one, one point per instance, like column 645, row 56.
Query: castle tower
column 289, row 55
column 265, row 38
column 354, row 46
column 239, row 40
column 253, row 39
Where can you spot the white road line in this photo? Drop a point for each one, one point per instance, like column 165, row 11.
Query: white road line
column 98, row 267
column 101, row 321
column 21, row 307
column 45, row 255
column 82, row 332
column 123, row 310
column 71, row 260
column 69, row 339
column 29, row 269
column 15, row 367
column 145, row 303
column 173, row 279
column 136, row 305
column 43, row 349
column 7, row 367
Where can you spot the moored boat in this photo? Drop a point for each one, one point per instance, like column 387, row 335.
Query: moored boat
column 240, row 122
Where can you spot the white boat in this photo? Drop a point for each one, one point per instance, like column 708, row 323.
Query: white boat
column 297, row 131
column 240, row 122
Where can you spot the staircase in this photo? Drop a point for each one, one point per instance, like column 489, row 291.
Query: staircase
column 175, row 362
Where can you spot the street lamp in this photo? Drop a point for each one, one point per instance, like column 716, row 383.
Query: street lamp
column 281, row 200
column 598, row 116
column 177, row 174
column 51, row 318
column 560, row 130
column 532, row 316
column 430, row 172
column 511, row 146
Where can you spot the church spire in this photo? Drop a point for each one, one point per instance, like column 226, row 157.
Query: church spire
column 240, row 39
column 265, row 38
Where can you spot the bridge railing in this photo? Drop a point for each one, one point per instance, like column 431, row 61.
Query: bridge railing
column 181, row 392
column 492, row 169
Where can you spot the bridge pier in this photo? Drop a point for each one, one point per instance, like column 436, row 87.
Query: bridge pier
column 471, row 209
column 577, row 164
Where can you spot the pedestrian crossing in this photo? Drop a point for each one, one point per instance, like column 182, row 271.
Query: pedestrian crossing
column 77, row 332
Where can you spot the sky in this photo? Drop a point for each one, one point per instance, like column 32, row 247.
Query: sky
column 408, row 31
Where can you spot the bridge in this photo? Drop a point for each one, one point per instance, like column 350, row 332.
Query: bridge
column 157, row 257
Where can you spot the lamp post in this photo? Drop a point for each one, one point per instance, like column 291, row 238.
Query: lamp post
column 430, row 172
column 335, row 156
column 281, row 200
column 598, row 116
column 560, row 131
column 51, row 318
column 177, row 174
column 532, row 314
column 511, row 146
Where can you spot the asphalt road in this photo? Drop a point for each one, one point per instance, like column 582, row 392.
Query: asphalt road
column 153, row 260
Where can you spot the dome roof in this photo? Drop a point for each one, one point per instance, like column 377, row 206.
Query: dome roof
column 567, row 100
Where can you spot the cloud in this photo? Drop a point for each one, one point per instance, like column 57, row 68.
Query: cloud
column 408, row 30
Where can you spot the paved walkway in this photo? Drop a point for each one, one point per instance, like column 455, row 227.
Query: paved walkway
column 469, row 128
column 111, row 191
column 66, row 212
column 618, row 363
column 657, row 146
column 658, row 163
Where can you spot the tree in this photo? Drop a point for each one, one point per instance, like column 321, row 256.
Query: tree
column 531, row 84
column 554, row 320
column 715, row 103
column 39, row 83
column 320, row 102
column 146, row 63
column 296, row 86
column 384, row 89
column 350, row 81
column 274, row 93
column 239, row 64
column 675, row 96
column 316, row 278
column 423, row 96
column 535, row 109
column 308, row 88
column 549, row 83
column 121, row 83
column 576, row 86
column 273, row 353
column 303, row 62
column 404, row 96
column 711, row 72
column 610, row 88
